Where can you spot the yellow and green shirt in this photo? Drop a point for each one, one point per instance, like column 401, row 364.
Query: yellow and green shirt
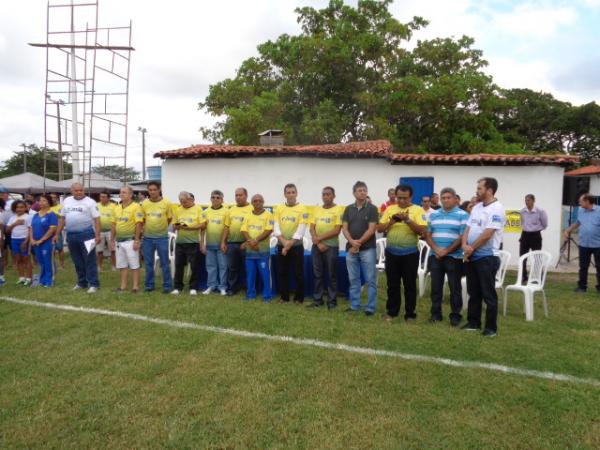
column 125, row 220
column 215, row 221
column 57, row 209
column 157, row 216
column 325, row 220
column 289, row 218
column 106, row 215
column 192, row 217
column 233, row 219
column 401, row 240
column 255, row 225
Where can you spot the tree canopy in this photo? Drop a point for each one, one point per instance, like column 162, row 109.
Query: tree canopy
column 353, row 73
column 34, row 159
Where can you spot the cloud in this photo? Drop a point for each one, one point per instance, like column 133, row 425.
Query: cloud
column 532, row 20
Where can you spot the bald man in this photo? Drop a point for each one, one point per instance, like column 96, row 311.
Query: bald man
column 81, row 220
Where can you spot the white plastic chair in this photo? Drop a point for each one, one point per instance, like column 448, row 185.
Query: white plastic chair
column 539, row 262
column 500, row 275
column 424, row 251
column 172, row 237
column 273, row 242
column 307, row 243
column 381, row 243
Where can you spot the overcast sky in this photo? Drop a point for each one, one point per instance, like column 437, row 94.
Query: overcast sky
column 183, row 46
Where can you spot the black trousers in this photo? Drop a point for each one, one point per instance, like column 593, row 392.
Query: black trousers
column 585, row 258
column 530, row 240
column 184, row 254
column 401, row 270
column 325, row 263
column 295, row 258
column 439, row 269
column 481, row 286
column 236, row 258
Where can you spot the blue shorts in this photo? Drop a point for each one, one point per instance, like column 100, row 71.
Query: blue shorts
column 60, row 243
column 15, row 246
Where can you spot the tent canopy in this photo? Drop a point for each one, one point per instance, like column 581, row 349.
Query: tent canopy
column 30, row 183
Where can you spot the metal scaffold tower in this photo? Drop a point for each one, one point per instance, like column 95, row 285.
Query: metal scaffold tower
column 87, row 90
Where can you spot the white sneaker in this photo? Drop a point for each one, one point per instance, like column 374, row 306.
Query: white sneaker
column 193, row 292
column 223, row 292
column 207, row 291
column 174, row 292
column 77, row 287
column 92, row 290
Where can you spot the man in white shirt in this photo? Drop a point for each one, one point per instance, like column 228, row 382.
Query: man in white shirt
column 81, row 220
column 481, row 244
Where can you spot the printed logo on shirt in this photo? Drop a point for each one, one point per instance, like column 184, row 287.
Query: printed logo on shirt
column 496, row 218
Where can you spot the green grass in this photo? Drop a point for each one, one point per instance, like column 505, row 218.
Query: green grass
column 71, row 380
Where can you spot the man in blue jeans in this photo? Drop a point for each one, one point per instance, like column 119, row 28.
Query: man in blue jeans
column 359, row 222
column 588, row 222
column 157, row 216
column 81, row 219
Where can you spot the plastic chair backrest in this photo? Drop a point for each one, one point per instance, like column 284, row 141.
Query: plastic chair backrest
column 172, row 238
column 504, row 259
column 424, row 250
column 538, row 262
column 381, row 243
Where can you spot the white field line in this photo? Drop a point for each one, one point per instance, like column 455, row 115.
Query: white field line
column 315, row 343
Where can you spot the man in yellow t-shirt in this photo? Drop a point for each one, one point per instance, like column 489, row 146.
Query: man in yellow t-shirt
column 325, row 226
column 232, row 239
column 187, row 221
column 404, row 223
column 107, row 211
column 211, row 237
column 126, row 230
column 291, row 220
column 59, row 242
column 158, row 213
column 256, row 229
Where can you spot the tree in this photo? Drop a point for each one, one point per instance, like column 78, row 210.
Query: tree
column 349, row 76
column 34, row 156
column 116, row 172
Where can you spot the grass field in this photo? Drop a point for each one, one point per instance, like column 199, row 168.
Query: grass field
column 74, row 380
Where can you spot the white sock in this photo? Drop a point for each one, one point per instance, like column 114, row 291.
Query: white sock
column 21, row 278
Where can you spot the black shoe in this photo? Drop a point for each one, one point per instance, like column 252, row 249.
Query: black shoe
column 454, row 322
column 331, row 306
column 489, row 333
column 230, row 293
column 435, row 319
column 369, row 313
column 410, row 319
column 468, row 327
column 579, row 290
column 148, row 290
column 314, row 305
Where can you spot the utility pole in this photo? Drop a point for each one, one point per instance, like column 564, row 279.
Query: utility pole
column 24, row 157
column 143, row 131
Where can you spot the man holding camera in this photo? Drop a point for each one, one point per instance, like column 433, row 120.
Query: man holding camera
column 404, row 223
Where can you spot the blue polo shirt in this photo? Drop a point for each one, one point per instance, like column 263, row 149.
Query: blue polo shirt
column 40, row 225
column 589, row 227
column 446, row 227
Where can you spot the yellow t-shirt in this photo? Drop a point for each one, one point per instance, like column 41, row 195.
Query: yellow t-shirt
column 126, row 219
column 106, row 215
column 325, row 220
column 255, row 225
column 289, row 218
column 233, row 219
column 157, row 216
column 215, row 221
column 192, row 217
column 401, row 240
column 57, row 209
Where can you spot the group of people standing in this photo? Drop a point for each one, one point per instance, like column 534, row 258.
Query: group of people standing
column 240, row 237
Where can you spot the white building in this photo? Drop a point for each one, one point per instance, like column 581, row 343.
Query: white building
column 266, row 169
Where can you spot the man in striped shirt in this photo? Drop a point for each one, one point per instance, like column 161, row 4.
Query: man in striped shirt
column 444, row 232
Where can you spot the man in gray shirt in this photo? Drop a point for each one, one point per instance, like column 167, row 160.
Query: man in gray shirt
column 534, row 220
column 359, row 225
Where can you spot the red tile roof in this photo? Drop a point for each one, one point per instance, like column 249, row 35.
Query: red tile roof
column 584, row 171
column 484, row 159
column 363, row 149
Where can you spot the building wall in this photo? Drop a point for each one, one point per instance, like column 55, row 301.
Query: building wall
column 268, row 176
column 595, row 185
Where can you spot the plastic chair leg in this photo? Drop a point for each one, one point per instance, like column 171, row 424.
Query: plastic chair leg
column 545, row 304
column 528, row 305
column 505, row 300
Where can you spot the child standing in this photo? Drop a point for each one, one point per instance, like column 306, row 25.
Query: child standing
column 18, row 226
